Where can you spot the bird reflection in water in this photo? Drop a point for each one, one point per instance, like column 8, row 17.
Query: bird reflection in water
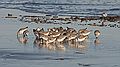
column 50, row 46
column 80, row 48
column 59, row 46
column 38, row 43
column 22, row 40
column 97, row 42
column 77, row 45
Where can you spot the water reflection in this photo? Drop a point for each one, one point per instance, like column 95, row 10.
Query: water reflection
column 78, row 45
column 97, row 42
column 38, row 43
column 59, row 46
column 22, row 40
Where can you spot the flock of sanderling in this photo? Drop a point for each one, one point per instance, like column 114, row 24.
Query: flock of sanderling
column 56, row 38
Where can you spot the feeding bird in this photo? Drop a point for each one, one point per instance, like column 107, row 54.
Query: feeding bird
column 23, row 31
column 97, row 33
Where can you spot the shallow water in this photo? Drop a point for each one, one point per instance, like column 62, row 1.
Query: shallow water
column 15, row 54
column 67, row 9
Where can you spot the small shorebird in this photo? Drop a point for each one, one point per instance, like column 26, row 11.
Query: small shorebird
column 81, row 30
column 70, row 30
column 50, row 40
column 61, row 38
column 103, row 18
column 36, row 32
column 55, row 34
column 44, row 33
column 38, row 29
column 97, row 33
column 84, row 32
column 60, row 28
column 81, row 38
column 73, row 36
column 104, row 14
column 44, row 37
column 23, row 31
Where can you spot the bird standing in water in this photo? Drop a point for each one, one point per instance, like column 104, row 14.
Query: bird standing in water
column 97, row 33
column 23, row 31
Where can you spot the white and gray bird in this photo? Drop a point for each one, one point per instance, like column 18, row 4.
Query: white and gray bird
column 104, row 14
